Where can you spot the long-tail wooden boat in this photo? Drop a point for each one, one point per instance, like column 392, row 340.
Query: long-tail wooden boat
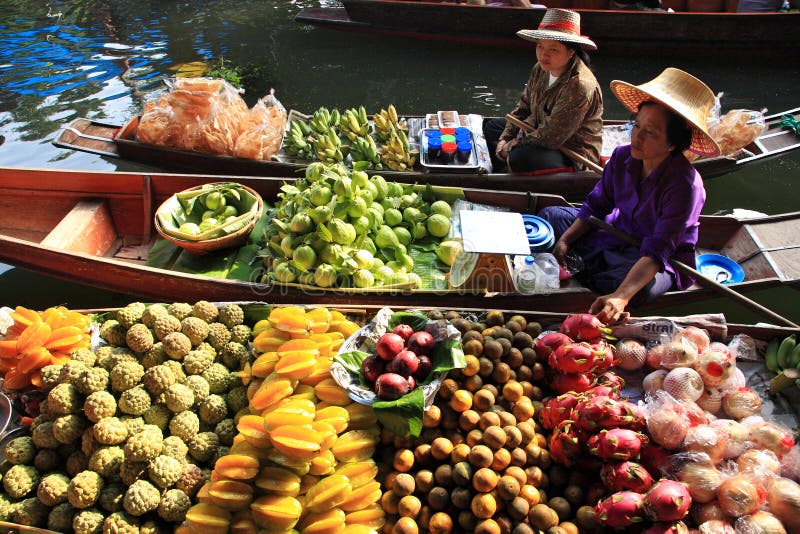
column 96, row 228
column 120, row 141
column 616, row 31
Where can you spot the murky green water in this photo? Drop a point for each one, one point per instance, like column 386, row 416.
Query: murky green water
column 102, row 59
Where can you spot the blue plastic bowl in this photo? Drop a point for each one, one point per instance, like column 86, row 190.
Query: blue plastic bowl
column 540, row 233
column 719, row 268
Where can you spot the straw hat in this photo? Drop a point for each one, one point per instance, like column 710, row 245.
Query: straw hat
column 559, row 25
column 682, row 93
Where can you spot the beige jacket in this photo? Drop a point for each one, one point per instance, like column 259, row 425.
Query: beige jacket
column 568, row 114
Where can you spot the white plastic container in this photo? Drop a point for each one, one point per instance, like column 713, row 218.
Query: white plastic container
column 548, row 265
column 526, row 274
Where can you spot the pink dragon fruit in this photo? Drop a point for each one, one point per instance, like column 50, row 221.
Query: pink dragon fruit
column 576, row 358
column 600, row 412
column 678, row 527
column 667, row 500
column 626, row 475
column 583, row 327
column 610, row 358
column 610, row 379
column 601, row 391
column 616, row 444
column 548, row 343
column 621, row 509
column 575, row 382
column 565, row 443
column 557, row 409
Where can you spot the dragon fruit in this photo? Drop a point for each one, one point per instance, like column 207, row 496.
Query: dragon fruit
column 596, row 413
column 601, row 391
column 626, row 475
column 610, row 358
column 667, row 500
column 610, row 379
column 583, row 327
column 557, row 409
column 565, row 443
column 548, row 343
column 631, row 354
column 577, row 358
column 677, row 527
column 621, row 509
column 576, row 382
column 616, row 444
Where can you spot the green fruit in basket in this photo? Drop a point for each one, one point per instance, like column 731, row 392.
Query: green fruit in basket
column 208, row 224
column 301, row 223
column 412, row 215
column 325, row 275
column 286, row 246
column 438, row 225
column 361, row 224
column 228, row 211
column 382, row 187
column 383, row 273
column 364, row 258
column 320, row 214
column 207, row 215
column 214, row 200
column 408, row 200
column 442, row 208
column 189, row 228
column 360, row 178
column 358, row 207
column 395, row 189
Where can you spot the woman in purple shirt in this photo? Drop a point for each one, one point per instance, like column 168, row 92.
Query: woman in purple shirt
column 648, row 190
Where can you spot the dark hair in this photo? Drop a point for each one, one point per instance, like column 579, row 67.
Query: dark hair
column 679, row 133
column 580, row 52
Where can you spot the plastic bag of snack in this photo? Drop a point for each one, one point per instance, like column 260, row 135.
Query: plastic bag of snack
column 260, row 142
column 737, row 129
column 268, row 110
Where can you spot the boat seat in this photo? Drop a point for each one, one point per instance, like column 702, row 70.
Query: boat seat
column 545, row 171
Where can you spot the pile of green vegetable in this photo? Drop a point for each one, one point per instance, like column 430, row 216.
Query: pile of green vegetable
column 341, row 228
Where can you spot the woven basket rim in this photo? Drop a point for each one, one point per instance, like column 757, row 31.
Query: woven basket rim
column 210, row 245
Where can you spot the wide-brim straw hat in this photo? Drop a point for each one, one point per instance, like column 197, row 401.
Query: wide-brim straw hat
column 559, row 25
column 683, row 94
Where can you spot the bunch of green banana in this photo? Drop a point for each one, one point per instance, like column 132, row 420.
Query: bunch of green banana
column 354, row 123
column 396, row 153
column 328, row 147
column 783, row 357
column 365, row 149
column 385, row 121
column 298, row 140
column 324, row 120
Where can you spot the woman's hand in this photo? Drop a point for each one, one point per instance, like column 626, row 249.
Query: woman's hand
column 610, row 309
column 502, row 149
column 560, row 250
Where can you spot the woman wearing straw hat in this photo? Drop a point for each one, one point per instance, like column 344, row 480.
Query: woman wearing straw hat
column 648, row 190
column 562, row 102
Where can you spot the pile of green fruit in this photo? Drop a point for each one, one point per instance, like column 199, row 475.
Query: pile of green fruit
column 341, row 228
column 127, row 434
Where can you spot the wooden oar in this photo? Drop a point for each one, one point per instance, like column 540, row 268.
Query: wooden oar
column 567, row 152
column 701, row 278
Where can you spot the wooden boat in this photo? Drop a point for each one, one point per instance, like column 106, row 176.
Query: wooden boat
column 121, row 141
column 96, row 228
column 615, row 31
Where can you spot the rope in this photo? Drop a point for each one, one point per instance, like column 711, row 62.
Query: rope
column 789, row 121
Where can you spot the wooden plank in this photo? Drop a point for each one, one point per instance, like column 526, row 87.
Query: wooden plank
column 88, row 228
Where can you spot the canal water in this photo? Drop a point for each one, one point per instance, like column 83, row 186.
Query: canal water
column 60, row 60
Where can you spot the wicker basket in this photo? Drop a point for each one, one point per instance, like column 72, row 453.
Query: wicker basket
column 210, row 245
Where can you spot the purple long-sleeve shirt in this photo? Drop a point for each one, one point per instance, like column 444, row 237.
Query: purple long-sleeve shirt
column 662, row 210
